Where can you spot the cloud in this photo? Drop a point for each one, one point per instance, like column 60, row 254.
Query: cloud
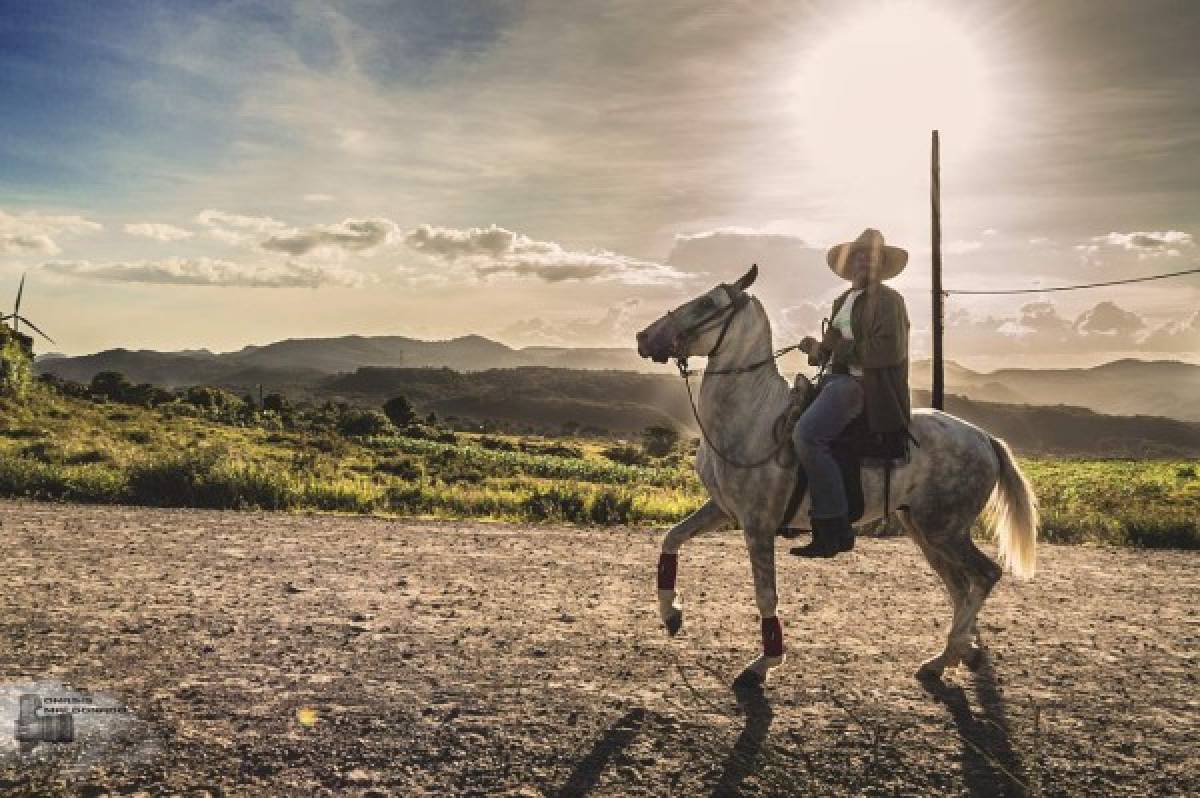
column 1039, row 329
column 354, row 235
column 14, row 244
column 797, row 321
column 791, row 270
column 33, row 233
column 318, row 198
column 1182, row 335
column 1107, row 318
column 233, row 228
column 615, row 328
column 159, row 232
column 493, row 250
column 208, row 271
column 1145, row 244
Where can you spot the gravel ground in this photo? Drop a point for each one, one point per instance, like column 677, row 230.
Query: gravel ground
column 275, row 654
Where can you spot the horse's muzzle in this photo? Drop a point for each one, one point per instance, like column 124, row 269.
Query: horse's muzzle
column 651, row 349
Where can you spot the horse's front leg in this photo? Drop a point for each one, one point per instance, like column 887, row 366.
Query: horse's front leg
column 760, row 543
column 707, row 518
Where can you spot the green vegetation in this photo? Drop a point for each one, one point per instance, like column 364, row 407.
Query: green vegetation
column 16, row 363
column 117, row 442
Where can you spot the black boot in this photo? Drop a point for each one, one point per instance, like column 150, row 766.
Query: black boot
column 830, row 537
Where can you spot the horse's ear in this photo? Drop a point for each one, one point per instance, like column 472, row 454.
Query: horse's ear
column 747, row 279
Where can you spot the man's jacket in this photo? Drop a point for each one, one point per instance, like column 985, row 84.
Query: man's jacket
column 879, row 322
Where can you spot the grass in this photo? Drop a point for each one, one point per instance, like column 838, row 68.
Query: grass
column 54, row 447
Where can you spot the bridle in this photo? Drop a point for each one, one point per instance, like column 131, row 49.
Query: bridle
column 737, row 300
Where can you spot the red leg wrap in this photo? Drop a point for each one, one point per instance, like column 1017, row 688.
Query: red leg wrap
column 668, row 564
column 772, row 635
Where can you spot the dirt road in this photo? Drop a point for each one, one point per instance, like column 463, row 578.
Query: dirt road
column 269, row 654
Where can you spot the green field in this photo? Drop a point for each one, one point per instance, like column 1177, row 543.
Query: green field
column 222, row 452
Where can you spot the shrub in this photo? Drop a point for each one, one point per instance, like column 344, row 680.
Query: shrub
column 611, row 507
column 554, row 504
column 405, row 468
column 44, row 451
column 16, row 363
column 244, row 487
column 1163, row 533
column 20, row 476
column 659, row 441
column 276, row 403
column 341, row 497
column 214, row 401
column 626, row 454
column 361, row 423
column 139, row 436
column 173, row 481
column 400, row 411
column 88, row 456
column 329, row 444
column 409, row 500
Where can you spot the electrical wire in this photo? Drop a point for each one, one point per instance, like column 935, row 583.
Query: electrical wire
column 1075, row 287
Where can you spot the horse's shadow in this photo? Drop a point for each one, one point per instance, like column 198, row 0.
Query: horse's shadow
column 741, row 761
column 587, row 771
column 990, row 764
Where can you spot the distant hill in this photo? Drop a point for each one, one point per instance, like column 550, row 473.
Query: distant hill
column 291, row 360
column 624, row 403
column 298, row 366
column 1123, row 387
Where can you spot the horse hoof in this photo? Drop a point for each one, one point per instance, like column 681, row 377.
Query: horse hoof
column 749, row 680
column 674, row 623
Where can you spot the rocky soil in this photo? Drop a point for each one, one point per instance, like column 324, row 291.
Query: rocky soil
column 272, row 654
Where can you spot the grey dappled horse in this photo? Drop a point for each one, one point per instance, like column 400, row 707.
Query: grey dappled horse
column 957, row 471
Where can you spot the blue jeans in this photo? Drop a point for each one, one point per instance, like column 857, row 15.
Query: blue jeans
column 840, row 400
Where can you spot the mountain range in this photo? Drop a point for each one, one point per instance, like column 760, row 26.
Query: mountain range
column 1165, row 388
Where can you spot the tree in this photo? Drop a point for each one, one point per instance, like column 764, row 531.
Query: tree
column 276, row 403
column 111, row 385
column 659, row 440
column 400, row 411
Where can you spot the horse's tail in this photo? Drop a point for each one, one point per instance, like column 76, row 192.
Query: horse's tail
column 1013, row 512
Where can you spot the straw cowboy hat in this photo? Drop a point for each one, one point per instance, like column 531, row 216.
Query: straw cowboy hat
column 891, row 260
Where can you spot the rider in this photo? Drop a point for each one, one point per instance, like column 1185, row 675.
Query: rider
column 866, row 352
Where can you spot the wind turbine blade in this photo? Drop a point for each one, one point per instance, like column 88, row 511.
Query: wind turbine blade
column 35, row 329
column 20, row 290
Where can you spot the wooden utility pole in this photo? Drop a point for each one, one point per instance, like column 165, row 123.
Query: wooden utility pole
column 935, row 200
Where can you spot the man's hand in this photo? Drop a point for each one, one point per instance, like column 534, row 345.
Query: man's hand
column 808, row 344
column 833, row 337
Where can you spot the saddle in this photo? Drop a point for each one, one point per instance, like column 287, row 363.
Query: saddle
column 853, row 449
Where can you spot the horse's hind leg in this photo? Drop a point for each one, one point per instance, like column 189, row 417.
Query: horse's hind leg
column 968, row 575
column 705, row 519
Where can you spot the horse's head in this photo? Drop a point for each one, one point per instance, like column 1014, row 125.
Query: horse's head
column 697, row 326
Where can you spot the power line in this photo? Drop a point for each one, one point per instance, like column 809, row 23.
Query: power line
column 1076, row 287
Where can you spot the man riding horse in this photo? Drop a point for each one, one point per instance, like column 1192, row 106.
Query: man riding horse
column 865, row 352
column 937, row 494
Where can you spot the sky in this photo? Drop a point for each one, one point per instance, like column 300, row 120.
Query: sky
column 212, row 175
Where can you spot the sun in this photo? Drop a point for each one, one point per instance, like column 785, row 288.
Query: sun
column 873, row 88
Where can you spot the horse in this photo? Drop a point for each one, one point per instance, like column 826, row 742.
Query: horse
column 956, row 473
